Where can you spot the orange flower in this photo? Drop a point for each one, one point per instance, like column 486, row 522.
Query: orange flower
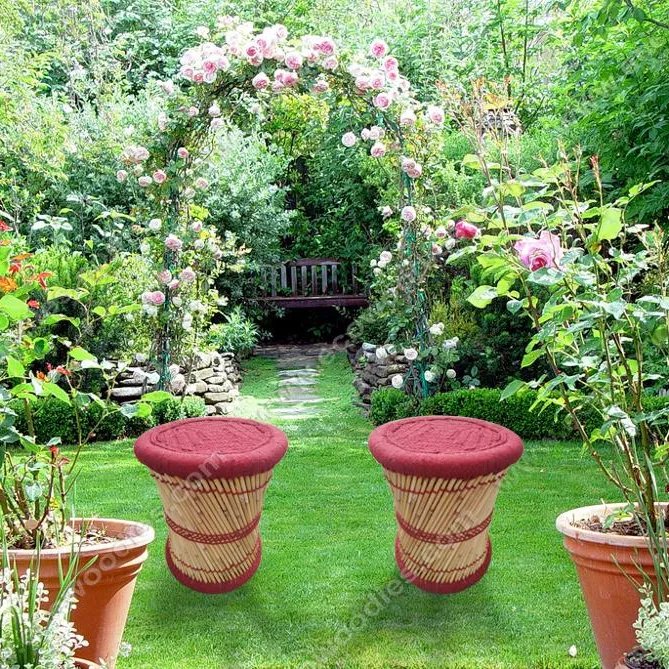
column 41, row 278
column 41, row 376
column 7, row 284
column 4, row 227
column 33, row 304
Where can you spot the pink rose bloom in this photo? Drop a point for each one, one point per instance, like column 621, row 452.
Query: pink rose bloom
column 173, row 285
column 280, row 31
column 277, row 87
column 182, row 152
column 407, row 118
column 197, row 226
column 390, row 64
column 377, row 81
column 294, row 60
column 327, row 46
column 290, row 79
column 167, row 87
column 378, row 48
column 408, row 214
column 349, row 140
column 321, row 86
column 393, row 76
column 378, row 150
column 159, row 176
column 198, row 77
column 362, row 82
column 209, row 66
column 121, row 176
column 187, row 275
column 465, row 230
column 156, row 298
column 365, row 134
column 165, row 276
column 436, row 249
column 193, row 111
column 375, row 132
column 201, row 183
column 436, row 115
column 386, row 211
column 216, row 123
column 440, row 232
column 415, row 171
column 330, row 63
column 260, row 81
column 545, row 251
column 252, row 51
column 145, row 181
column 214, row 110
column 382, row 101
column 173, row 243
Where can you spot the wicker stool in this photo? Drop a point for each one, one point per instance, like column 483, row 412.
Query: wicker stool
column 211, row 475
column 444, row 474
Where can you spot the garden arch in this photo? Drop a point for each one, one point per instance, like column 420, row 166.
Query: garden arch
column 234, row 70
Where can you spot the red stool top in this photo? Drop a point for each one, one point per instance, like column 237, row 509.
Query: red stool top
column 445, row 447
column 211, row 448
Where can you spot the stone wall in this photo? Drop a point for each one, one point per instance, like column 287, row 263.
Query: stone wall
column 215, row 378
column 372, row 372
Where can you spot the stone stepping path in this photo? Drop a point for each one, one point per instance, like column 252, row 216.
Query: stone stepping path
column 298, row 373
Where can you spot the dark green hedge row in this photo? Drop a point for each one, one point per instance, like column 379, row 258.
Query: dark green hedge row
column 514, row 412
column 53, row 418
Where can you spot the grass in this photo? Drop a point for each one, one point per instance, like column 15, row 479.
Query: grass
column 321, row 594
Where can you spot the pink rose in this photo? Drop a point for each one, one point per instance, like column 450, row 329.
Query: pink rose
column 196, row 226
column 545, row 251
column 156, row 298
column 465, row 230
column 145, row 181
column 173, row 243
column 383, row 101
column 159, row 176
column 280, row 31
column 378, row 48
column 173, row 285
column 378, row 150
column 201, row 183
column 217, row 122
column 214, row 110
column 326, row 46
column 193, row 111
column 321, row 86
column 436, row 115
column 330, row 63
column 121, row 176
column 408, row 214
column 362, row 82
column 294, row 60
column 182, row 152
column 390, row 64
column 260, row 81
column 407, row 118
column 187, row 275
column 349, row 140
column 290, row 79
column 165, row 276
column 440, row 232
column 166, row 87
column 377, row 81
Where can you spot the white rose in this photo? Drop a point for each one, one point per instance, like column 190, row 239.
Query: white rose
column 177, row 301
column 144, row 248
column 397, row 381
column 381, row 353
column 430, row 376
column 410, row 353
column 155, row 224
column 385, row 257
column 437, row 329
column 451, row 373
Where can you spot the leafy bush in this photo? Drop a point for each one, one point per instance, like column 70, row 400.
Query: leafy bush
column 372, row 325
column 238, row 334
column 391, row 404
column 176, row 408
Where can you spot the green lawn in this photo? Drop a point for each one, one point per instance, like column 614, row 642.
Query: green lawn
column 320, row 594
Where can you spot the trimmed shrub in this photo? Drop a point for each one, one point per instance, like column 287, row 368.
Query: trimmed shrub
column 391, row 404
column 176, row 408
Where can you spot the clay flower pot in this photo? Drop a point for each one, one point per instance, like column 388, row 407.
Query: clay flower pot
column 605, row 563
column 85, row 664
column 104, row 590
column 621, row 664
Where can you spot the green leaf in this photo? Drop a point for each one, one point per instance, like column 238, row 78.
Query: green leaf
column 512, row 389
column 531, row 357
column 156, row 396
column 78, row 353
column 100, row 311
column 54, row 389
column 4, row 322
column 15, row 369
column 514, row 306
column 16, row 309
column 610, row 224
column 52, row 319
column 482, row 296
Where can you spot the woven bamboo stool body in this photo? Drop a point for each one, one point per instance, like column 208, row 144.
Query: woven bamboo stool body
column 212, row 474
column 444, row 474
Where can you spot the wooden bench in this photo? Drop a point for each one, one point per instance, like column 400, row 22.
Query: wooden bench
column 311, row 283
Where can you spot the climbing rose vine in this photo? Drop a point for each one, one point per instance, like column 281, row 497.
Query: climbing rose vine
column 232, row 73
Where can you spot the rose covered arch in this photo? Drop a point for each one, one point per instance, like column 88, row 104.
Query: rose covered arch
column 234, row 69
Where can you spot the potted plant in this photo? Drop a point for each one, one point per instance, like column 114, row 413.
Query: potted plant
column 652, row 633
column 595, row 291
column 32, row 633
column 35, row 512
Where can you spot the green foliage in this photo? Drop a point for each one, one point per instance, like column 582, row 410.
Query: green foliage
column 177, row 408
column 238, row 335
column 373, row 325
column 391, row 404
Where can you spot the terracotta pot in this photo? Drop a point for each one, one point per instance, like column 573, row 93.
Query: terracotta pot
column 621, row 664
column 85, row 664
column 605, row 563
column 104, row 589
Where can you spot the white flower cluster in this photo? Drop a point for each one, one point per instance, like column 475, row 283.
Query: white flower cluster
column 50, row 634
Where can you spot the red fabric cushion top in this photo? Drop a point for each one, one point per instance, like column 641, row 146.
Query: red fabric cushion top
column 445, row 447
column 211, row 448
